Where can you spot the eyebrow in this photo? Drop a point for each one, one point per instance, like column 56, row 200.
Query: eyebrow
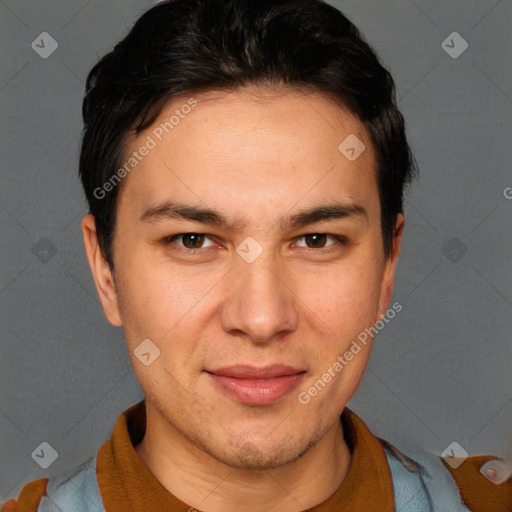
column 326, row 212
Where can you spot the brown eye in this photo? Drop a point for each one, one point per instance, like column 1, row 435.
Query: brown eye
column 189, row 241
column 318, row 240
column 192, row 240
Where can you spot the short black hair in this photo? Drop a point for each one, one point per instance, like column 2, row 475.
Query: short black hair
column 183, row 47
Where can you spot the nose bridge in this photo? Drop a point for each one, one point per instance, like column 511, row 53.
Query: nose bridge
column 260, row 303
column 260, row 277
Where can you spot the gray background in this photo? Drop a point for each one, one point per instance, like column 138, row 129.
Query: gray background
column 440, row 371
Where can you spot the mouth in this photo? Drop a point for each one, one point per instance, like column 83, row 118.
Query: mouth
column 256, row 386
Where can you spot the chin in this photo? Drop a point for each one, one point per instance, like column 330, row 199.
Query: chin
column 254, row 457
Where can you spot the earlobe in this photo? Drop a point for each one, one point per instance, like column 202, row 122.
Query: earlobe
column 103, row 278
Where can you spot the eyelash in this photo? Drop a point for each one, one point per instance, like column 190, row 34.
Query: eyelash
column 340, row 240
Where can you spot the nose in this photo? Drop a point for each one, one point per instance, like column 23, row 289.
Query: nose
column 261, row 305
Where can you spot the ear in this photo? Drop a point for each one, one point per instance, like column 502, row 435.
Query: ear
column 388, row 277
column 101, row 273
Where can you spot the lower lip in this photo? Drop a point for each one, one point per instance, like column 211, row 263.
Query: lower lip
column 258, row 391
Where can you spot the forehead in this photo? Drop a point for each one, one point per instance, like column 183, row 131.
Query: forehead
column 248, row 147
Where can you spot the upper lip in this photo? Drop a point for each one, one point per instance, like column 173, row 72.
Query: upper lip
column 251, row 372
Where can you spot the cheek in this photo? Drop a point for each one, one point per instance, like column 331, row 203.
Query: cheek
column 345, row 299
column 161, row 302
column 147, row 301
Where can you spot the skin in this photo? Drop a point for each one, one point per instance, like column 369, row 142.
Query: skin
column 255, row 155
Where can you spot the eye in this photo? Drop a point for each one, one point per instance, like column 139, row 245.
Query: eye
column 317, row 240
column 190, row 241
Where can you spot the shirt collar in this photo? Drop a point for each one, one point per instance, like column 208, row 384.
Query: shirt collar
column 126, row 483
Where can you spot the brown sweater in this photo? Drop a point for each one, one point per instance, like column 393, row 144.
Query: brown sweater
column 126, row 484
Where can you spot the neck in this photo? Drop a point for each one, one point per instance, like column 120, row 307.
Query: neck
column 196, row 478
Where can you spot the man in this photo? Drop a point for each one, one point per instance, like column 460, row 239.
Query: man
column 244, row 163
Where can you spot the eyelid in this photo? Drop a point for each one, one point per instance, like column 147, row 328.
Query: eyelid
column 339, row 240
column 168, row 240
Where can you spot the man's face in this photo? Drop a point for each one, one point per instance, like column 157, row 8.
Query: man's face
column 256, row 161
